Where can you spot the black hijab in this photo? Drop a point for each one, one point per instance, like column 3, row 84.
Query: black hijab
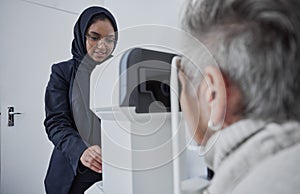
column 78, row 45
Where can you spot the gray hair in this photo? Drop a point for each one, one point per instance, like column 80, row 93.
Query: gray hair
column 256, row 45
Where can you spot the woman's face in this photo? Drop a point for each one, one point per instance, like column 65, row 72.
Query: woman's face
column 100, row 40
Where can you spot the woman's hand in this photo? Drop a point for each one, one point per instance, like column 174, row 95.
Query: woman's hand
column 92, row 159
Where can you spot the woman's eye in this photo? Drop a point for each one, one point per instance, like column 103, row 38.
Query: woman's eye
column 110, row 40
column 94, row 38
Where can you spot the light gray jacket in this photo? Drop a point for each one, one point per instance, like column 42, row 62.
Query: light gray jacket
column 253, row 157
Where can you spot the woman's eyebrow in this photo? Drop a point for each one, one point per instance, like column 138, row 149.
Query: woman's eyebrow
column 95, row 33
column 110, row 35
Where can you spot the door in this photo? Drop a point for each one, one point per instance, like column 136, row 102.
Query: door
column 32, row 38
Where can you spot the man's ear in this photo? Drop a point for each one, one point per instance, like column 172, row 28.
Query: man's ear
column 214, row 93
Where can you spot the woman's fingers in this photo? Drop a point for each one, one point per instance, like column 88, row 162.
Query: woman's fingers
column 92, row 159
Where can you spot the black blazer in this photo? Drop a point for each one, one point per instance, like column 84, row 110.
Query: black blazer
column 61, row 128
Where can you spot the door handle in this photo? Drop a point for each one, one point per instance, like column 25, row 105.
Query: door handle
column 15, row 113
column 11, row 116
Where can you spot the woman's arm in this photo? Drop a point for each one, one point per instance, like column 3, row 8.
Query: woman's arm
column 59, row 123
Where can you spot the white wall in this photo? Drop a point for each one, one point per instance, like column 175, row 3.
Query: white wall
column 71, row 6
column 138, row 12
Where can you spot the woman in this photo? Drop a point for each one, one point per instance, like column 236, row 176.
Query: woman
column 74, row 130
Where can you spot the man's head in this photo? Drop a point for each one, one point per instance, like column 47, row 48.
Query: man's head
column 256, row 44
